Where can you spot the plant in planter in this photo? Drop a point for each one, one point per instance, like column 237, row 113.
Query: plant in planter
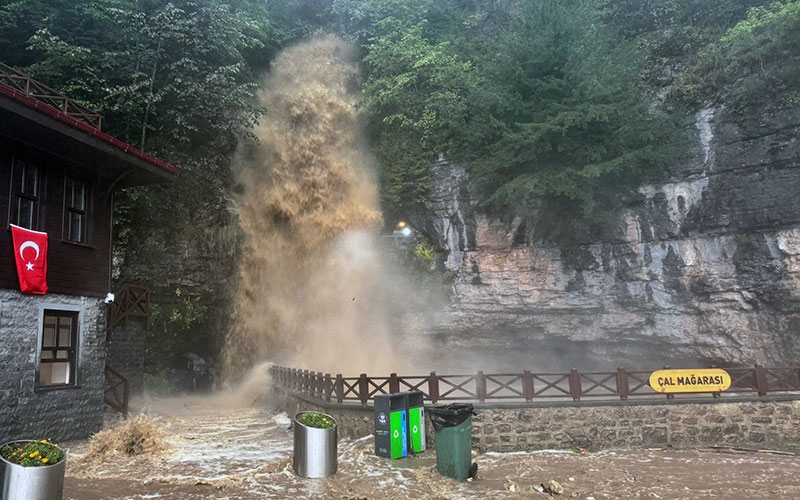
column 32, row 470
column 32, row 453
column 316, row 419
column 315, row 444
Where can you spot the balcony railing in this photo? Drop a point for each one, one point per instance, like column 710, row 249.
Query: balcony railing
column 130, row 301
column 22, row 83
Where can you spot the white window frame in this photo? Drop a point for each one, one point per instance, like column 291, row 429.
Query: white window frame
column 67, row 308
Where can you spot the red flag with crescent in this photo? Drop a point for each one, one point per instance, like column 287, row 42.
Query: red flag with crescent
column 30, row 253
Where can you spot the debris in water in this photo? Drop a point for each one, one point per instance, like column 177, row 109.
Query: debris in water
column 282, row 420
column 511, row 486
column 139, row 435
column 553, row 488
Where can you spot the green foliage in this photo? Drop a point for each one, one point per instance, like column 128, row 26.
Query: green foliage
column 415, row 96
column 579, row 129
column 32, row 453
column 424, row 252
column 552, row 106
column 364, row 20
column 753, row 63
column 541, row 102
column 670, row 33
column 178, row 80
column 177, row 326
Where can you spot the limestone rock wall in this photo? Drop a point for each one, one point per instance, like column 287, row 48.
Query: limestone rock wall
column 705, row 270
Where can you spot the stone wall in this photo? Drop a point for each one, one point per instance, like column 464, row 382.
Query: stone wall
column 758, row 424
column 59, row 414
column 762, row 424
column 125, row 352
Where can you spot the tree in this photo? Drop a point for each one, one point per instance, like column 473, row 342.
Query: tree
column 416, row 97
column 176, row 79
column 753, row 63
column 540, row 100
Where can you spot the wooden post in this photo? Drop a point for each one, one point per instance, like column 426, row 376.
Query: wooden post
column 338, row 388
column 433, row 387
column 761, row 380
column 126, row 396
column 394, row 383
column 623, row 388
column 319, row 385
column 575, row 384
column 328, row 387
column 527, row 385
column 363, row 388
column 480, row 386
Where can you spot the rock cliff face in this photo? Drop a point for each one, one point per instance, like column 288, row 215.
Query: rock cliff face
column 705, row 271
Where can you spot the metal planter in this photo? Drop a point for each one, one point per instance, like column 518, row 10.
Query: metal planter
column 315, row 450
column 45, row 482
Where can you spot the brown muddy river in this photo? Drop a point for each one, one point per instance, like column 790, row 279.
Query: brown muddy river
column 215, row 450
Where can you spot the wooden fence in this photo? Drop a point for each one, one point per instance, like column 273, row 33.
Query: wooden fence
column 524, row 387
column 116, row 393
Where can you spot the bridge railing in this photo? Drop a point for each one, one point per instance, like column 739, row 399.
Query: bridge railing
column 522, row 387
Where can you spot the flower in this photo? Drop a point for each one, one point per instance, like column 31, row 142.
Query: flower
column 32, row 453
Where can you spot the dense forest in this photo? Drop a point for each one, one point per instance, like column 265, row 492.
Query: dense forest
column 565, row 105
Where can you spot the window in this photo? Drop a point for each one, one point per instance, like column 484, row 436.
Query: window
column 76, row 210
column 59, row 348
column 25, row 205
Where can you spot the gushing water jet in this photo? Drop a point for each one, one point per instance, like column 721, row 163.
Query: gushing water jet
column 313, row 285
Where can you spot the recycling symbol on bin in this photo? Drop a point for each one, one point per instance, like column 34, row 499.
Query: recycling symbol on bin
column 414, row 429
column 396, row 433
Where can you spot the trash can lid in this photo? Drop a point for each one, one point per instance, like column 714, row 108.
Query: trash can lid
column 450, row 415
column 452, row 409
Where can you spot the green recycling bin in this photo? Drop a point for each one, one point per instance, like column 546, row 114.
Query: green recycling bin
column 453, row 430
column 391, row 425
column 416, row 421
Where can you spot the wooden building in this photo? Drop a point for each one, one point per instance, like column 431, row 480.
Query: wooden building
column 58, row 175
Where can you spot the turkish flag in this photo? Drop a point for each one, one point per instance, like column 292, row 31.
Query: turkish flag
column 30, row 253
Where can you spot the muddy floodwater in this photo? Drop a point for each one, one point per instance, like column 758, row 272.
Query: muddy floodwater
column 216, row 450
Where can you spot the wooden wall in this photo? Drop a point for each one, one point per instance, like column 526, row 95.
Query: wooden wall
column 73, row 269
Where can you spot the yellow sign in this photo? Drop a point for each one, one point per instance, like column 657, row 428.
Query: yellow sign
column 690, row 380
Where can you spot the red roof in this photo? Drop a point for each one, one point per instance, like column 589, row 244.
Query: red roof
column 84, row 127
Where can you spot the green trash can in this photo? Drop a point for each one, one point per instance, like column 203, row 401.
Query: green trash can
column 453, row 430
